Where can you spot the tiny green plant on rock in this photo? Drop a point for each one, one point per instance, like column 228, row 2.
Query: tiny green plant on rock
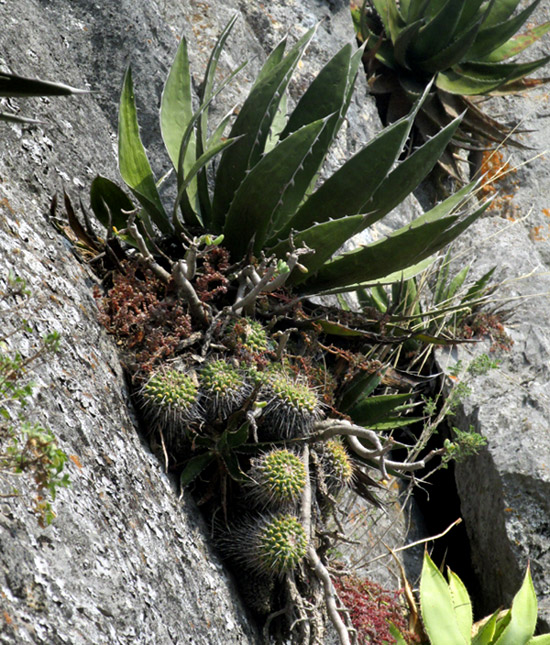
column 27, row 450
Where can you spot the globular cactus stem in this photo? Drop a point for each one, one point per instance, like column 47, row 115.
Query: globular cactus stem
column 170, row 398
column 224, row 387
column 277, row 478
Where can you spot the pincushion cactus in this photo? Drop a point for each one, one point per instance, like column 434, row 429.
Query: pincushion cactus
column 224, row 388
column 170, row 398
column 292, row 406
column 277, row 478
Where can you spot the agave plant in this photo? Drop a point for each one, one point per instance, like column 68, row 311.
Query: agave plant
column 263, row 196
column 447, row 613
column 463, row 46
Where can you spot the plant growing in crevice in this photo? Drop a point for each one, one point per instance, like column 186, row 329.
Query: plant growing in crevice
column 266, row 403
column 463, row 46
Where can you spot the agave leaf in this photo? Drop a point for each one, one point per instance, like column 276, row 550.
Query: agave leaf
column 400, row 250
column 325, row 95
column 348, row 190
column 369, row 410
column 523, row 615
column 388, row 12
column 486, row 633
column 254, row 121
column 455, row 82
column 438, row 614
column 109, row 201
column 206, row 96
column 409, row 173
column 509, row 72
column 437, row 33
column 195, row 169
column 500, row 11
column 517, row 44
column 491, row 37
column 470, row 14
column 362, row 385
column 404, row 39
column 398, row 276
column 176, row 108
column 478, row 288
column 416, row 9
column 453, row 53
column 15, row 85
column 399, row 639
column 272, row 189
column 462, row 605
column 543, row 639
column 194, row 468
column 132, row 159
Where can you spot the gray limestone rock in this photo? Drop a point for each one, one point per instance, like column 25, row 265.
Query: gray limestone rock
column 505, row 491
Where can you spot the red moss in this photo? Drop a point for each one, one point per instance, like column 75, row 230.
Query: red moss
column 143, row 313
column 372, row 609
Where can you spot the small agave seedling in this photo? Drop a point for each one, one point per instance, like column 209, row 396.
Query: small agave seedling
column 464, row 45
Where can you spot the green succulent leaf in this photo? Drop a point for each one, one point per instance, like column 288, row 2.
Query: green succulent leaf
column 543, row 639
column 348, row 190
column 491, row 37
column 409, row 173
column 499, row 11
column 438, row 610
column 254, row 122
column 369, row 410
column 194, row 468
column 519, row 43
column 461, row 604
column 523, row 615
column 486, row 634
column 273, row 188
column 437, row 33
column 132, row 160
column 15, row 85
column 110, row 203
column 176, row 108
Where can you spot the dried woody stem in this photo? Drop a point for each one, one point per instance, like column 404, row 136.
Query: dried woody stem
column 180, row 273
column 333, row 427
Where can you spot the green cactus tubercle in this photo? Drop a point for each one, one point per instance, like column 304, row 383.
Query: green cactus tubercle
column 219, row 377
column 279, row 477
column 251, row 336
column 282, row 544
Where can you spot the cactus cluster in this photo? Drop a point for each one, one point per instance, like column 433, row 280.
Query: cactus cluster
column 337, row 466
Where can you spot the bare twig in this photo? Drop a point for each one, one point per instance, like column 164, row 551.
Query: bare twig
column 198, row 310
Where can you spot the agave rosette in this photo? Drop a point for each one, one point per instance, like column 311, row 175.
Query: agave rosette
column 465, row 46
column 263, row 194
